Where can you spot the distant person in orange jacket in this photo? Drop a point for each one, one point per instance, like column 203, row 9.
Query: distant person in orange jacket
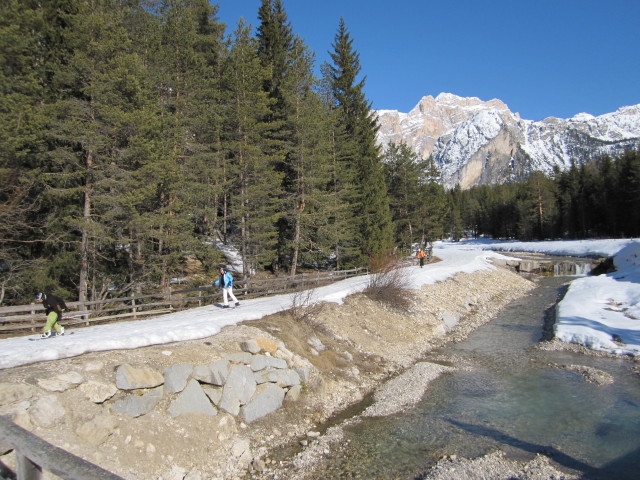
column 421, row 256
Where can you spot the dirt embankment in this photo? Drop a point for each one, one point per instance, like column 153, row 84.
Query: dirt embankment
column 351, row 349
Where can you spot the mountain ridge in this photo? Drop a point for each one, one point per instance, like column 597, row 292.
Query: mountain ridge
column 476, row 142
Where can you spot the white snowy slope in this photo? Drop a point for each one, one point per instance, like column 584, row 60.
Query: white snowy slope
column 475, row 142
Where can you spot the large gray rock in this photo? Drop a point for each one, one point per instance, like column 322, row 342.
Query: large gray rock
column 98, row 392
column 192, row 400
column 176, row 376
column 268, row 398
column 61, row 383
column 284, row 378
column 73, row 378
column 214, row 394
column 262, row 376
column 135, row 405
column 131, row 378
column 243, row 357
column 238, row 389
column 250, row 346
column 260, row 362
column 215, row 373
column 293, row 395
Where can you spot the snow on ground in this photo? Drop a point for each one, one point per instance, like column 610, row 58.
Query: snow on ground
column 594, row 309
column 600, row 312
column 205, row 321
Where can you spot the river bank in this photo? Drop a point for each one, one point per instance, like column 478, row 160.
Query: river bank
column 350, row 350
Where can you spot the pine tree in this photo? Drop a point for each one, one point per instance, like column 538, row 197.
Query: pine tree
column 358, row 148
column 403, row 171
column 307, row 166
column 254, row 202
column 628, row 167
column 23, row 89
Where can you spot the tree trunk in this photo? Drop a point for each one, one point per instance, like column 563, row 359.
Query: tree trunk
column 84, row 244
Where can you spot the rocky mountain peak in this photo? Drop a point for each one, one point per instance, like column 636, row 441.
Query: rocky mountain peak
column 478, row 142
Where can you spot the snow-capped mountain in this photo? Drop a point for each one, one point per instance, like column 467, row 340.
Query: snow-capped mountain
column 475, row 142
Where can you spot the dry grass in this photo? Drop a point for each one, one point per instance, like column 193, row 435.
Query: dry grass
column 304, row 306
column 389, row 283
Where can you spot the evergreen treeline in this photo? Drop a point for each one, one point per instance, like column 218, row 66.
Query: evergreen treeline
column 138, row 132
column 598, row 198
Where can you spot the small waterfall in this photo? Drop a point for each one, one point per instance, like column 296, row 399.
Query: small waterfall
column 570, row 268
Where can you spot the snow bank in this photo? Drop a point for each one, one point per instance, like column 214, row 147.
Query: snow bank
column 603, row 312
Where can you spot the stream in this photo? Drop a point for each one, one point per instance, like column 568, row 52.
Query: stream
column 511, row 399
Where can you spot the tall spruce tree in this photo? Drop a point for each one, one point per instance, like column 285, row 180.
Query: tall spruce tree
column 358, row 149
column 254, row 201
column 24, row 88
column 307, row 166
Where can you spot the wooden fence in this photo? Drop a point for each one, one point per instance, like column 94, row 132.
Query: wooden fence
column 33, row 455
column 30, row 318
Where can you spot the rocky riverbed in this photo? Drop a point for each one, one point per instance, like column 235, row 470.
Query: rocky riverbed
column 342, row 355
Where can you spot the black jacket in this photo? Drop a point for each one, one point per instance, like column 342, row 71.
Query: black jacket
column 53, row 303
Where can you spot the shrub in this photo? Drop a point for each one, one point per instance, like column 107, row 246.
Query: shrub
column 389, row 283
column 304, row 307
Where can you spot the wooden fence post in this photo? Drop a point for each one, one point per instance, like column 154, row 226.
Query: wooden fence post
column 26, row 469
column 33, row 321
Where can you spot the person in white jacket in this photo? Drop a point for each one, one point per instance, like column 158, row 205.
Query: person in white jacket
column 225, row 282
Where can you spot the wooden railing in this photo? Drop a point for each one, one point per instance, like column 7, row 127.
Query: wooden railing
column 30, row 318
column 33, row 455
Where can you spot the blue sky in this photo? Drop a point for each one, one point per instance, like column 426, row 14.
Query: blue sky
column 541, row 57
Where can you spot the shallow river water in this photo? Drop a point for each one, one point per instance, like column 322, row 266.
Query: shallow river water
column 512, row 400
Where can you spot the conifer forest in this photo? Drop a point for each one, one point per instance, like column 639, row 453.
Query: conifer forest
column 138, row 134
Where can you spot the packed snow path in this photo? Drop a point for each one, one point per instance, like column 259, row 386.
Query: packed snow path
column 205, row 321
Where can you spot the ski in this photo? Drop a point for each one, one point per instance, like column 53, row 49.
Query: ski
column 33, row 339
column 230, row 307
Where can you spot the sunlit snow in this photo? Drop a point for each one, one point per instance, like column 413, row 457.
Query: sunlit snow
column 600, row 312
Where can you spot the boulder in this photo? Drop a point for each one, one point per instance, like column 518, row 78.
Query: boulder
column 243, row 357
column 250, row 346
column 293, row 395
column 238, row 389
column 268, row 398
column 192, row 400
column 284, row 378
column 98, row 392
column 74, row 378
column 267, row 345
column 137, row 405
column 131, row 378
column 54, row 384
column 214, row 374
column 176, row 376
column 214, row 394
column 260, row 362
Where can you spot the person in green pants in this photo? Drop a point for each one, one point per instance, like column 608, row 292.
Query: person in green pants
column 53, row 306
